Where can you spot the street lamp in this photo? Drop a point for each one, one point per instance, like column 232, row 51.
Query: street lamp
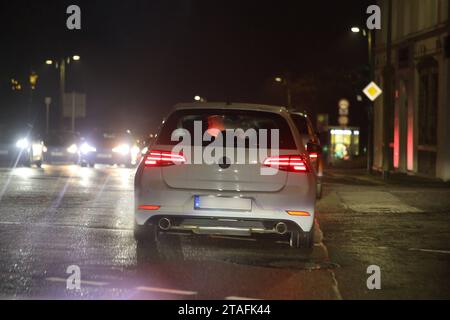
column 284, row 81
column 368, row 35
column 62, row 76
column 199, row 99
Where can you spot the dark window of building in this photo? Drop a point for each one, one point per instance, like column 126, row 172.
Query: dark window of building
column 403, row 57
column 428, row 102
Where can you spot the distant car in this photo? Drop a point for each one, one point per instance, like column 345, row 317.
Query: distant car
column 20, row 146
column 62, row 147
column 174, row 195
column 312, row 144
column 110, row 149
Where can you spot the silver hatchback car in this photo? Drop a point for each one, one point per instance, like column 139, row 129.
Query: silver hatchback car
column 194, row 180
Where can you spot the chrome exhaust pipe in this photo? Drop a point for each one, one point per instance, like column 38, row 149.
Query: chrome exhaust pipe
column 281, row 228
column 164, row 224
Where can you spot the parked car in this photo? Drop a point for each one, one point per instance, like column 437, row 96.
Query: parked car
column 173, row 194
column 20, row 145
column 312, row 144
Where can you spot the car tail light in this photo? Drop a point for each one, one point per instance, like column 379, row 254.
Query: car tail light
column 313, row 155
column 298, row 213
column 148, row 207
column 291, row 163
column 156, row 158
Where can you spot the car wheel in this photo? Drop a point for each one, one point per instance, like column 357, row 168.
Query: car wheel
column 145, row 234
column 39, row 164
column 83, row 164
column 91, row 164
column 302, row 241
column 319, row 190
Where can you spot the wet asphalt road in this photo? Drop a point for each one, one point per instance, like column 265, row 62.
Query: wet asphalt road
column 59, row 216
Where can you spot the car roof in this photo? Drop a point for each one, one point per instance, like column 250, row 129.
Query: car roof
column 232, row 106
column 302, row 114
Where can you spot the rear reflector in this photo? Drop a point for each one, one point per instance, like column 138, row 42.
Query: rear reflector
column 157, row 158
column 148, row 207
column 291, row 163
column 299, row 213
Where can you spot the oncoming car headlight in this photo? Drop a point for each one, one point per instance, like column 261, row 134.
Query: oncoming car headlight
column 122, row 149
column 22, row 143
column 72, row 149
column 135, row 150
column 86, row 148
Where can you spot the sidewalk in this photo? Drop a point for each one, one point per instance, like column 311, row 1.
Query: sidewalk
column 395, row 178
column 401, row 225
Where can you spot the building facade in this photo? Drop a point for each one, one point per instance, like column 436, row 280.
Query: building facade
column 420, row 114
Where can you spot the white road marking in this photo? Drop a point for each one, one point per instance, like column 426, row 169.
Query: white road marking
column 85, row 282
column 430, row 250
column 164, row 290
column 240, row 298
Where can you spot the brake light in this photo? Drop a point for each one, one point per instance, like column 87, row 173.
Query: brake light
column 291, row 163
column 156, row 158
column 313, row 155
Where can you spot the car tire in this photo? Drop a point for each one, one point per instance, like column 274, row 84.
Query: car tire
column 39, row 164
column 145, row 234
column 319, row 190
column 146, row 244
column 83, row 164
column 302, row 241
column 91, row 164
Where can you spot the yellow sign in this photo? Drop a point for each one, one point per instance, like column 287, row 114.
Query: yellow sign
column 372, row 91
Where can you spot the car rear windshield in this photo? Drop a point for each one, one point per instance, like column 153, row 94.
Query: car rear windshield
column 221, row 120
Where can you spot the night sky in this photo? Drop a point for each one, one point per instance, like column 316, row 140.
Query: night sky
column 138, row 58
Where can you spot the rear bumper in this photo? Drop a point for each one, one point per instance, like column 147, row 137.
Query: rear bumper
column 271, row 207
column 203, row 225
column 266, row 212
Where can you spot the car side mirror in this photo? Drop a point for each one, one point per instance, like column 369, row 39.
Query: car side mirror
column 312, row 147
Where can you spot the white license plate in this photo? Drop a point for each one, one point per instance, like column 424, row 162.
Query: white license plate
column 104, row 156
column 222, row 203
column 3, row 152
column 57, row 154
